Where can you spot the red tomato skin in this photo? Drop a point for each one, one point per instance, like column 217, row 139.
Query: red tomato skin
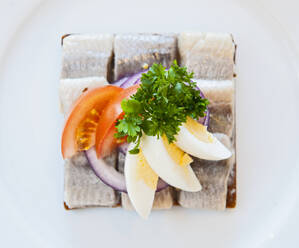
column 96, row 98
column 110, row 115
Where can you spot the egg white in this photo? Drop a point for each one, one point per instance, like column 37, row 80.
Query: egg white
column 201, row 149
column 141, row 195
column 161, row 162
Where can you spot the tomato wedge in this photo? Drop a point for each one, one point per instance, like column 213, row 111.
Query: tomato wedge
column 109, row 143
column 93, row 100
column 105, row 141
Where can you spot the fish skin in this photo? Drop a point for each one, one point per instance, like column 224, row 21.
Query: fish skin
column 70, row 90
column 86, row 55
column 82, row 188
column 163, row 199
column 208, row 55
column 221, row 119
column 213, row 175
column 221, row 95
column 132, row 51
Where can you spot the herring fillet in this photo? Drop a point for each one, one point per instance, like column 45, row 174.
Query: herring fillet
column 208, row 55
column 133, row 51
column 70, row 90
column 85, row 62
column 82, row 188
column 163, row 199
column 213, row 176
column 211, row 56
column 86, row 55
column 221, row 95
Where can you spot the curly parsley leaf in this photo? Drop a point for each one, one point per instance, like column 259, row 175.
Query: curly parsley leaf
column 162, row 103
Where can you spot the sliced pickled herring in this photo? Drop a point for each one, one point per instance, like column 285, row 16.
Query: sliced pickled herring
column 213, row 176
column 82, row 188
column 136, row 52
column 86, row 63
column 71, row 88
column 86, row 55
column 221, row 95
column 208, row 55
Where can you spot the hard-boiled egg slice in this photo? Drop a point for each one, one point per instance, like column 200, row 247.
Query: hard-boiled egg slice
column 141, row 182
column 194, row 139
column 170, row 163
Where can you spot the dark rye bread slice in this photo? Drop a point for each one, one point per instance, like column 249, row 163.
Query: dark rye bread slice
column 211, row 57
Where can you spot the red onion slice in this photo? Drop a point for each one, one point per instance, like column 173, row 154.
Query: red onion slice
column 132, row 80
column 109, row 175
column 120, row 81
column 206, row 119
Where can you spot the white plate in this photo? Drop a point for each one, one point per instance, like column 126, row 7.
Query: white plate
column 31, row 172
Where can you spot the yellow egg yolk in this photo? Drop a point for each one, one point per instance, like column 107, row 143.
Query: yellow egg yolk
column 145, row 172
column 177, row 154
column 198, row 130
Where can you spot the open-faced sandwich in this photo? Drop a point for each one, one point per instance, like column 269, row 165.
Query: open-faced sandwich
column 149, row 121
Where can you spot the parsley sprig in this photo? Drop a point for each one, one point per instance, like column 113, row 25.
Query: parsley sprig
column 161, row 104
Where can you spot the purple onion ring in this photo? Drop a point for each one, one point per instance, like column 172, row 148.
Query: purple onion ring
column 109, row 175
